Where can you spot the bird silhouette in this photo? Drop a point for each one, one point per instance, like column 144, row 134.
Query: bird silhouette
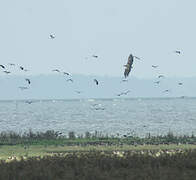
column 95, row 56
column 66, row 73
column 157, row 82
column 128, row 66
column 177, row 52
column 28, row 80
column 154, row 66
column 23, row 88
column 52, row 36
column 2, row 66
column 56, row 70
column 167, row 90
column 7, row 72
column 160, row 76
column 96, row 81
column 22, row 68
column 71, row 80
column 11, row 64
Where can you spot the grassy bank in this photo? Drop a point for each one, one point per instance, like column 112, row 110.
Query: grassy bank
column 51, row 155
column 96, row 165
column 97, row 138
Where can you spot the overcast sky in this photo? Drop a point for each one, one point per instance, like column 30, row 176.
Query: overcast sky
column 111, row 29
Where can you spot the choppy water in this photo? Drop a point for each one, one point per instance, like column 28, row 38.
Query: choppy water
column 112, row 116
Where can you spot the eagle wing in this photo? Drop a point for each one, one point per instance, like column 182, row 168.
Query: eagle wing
column 128, row 66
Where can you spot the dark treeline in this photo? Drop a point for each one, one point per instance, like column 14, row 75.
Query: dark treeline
column 98, row 166
column 51, row 137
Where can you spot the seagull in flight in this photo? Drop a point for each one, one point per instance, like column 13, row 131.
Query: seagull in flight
column 28, row 80
column 78, row 92
column 23, row 88
column 95, row 56
column 96, row 81
column 11, row 64
column 157, row 82
column 160, row 76
column 52, row 36
column 71, row 80
column 123, row 93
column 22, row 68
column 124, row 80
column 56, row 70
column 167, row 90
column 177, row 52
column 66, row 73
column 2, row 66
column 7, row 72
column 155, row 66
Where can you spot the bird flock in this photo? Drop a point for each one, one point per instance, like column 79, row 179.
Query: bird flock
column 128, row 67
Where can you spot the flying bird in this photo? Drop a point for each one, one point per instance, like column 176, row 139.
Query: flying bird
column 29, row 102
column 124, row 80
column 66, row 73
column 167, row 90
column 157, row 82
column 96, row 81
column 154, row 66
column 95, row 56
column 123, row 93
column 128, row 66
column 23, row 88
column 126, row 92
column 7, row 72
column 22, row 68
column 160, row 76
column 177, row 52
column 52, row 36
column 180, row 83
column 78, row 92
column 137, row 57
column 11, row 64
column 28, row 80
column 56, row 70
column 70, row 80
column 2, row 66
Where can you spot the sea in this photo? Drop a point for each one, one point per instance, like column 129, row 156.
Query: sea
column 134, row 116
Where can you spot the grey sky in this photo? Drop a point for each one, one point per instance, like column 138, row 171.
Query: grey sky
column 111, row 29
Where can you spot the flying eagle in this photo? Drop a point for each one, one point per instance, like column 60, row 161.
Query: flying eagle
column 128, row 66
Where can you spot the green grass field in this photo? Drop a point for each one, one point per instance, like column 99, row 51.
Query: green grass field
column 95, row 156
column 18, row 151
